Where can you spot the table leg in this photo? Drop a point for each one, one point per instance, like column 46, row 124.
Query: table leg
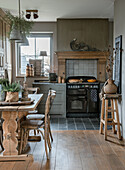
column 10, row 141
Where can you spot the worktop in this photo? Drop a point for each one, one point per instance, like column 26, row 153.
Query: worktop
column 59, row 104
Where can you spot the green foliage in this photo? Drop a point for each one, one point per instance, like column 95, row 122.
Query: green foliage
column 19, row 23
column 14, row 87
column 4, row 81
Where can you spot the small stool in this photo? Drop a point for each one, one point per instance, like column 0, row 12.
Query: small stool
column 113, row 98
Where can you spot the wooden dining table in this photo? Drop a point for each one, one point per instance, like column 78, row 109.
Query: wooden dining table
column 11, row 116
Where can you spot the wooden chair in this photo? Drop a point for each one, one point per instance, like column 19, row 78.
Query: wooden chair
column 39, row 116
column 31, row 124
column 33, row 90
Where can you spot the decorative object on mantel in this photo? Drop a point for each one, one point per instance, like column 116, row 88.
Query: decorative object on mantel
column 12, row 90
column 81, row 46
column 110, row 87
column 19, row 27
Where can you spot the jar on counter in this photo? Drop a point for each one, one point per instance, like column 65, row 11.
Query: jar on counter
column 59, row 79
column 63, row 80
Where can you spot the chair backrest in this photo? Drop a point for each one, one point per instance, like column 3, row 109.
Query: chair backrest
column 49, row 101
column 32, row 90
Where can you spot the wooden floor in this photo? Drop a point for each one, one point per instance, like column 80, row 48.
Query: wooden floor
column 74, row 150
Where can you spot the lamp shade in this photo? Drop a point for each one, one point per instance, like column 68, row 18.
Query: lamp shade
column 43, row 53
column 25, row 43
column 23, row 38
column 15, row 34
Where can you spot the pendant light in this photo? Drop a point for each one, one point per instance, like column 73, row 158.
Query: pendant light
column 15, row 33
column 23, row 40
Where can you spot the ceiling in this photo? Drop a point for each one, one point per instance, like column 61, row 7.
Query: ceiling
column 50, row 10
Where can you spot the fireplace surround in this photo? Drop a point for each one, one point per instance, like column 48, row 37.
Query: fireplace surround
column 100, row 56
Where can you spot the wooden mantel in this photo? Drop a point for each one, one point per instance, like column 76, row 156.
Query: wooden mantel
column 100, row 56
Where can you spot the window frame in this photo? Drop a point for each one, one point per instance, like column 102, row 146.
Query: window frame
column 35, row 35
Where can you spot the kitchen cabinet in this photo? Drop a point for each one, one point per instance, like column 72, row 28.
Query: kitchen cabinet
column 59, row 104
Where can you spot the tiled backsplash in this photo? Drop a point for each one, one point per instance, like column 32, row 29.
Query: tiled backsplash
column 81, row 68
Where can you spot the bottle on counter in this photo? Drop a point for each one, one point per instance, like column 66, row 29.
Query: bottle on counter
column 59, row 79
column 27, row 70
column 63, row 80
column 31, row 70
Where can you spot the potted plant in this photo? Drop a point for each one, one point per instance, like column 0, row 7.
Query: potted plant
column 12, row 91
column 18, row 25
column 2, row 94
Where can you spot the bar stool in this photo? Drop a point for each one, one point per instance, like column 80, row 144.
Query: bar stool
column 105, row 109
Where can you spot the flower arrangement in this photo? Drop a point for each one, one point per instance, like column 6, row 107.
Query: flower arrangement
column 110, row 62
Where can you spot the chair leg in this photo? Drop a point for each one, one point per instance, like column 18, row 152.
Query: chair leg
column 50, row 130
column 112, row 107
column 48, row 140
column 106, row 119
column 117, row 119
column 102, row 116
column 45, row 141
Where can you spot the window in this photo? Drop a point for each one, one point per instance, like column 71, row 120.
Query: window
column 37, row 43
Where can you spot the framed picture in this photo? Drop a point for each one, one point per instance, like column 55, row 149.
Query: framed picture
column 118, row 63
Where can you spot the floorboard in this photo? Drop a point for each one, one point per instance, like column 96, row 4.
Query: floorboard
column 74, row 150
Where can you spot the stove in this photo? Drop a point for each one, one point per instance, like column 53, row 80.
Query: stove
column 82, row 97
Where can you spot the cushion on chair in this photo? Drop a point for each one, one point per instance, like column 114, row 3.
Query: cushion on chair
column 32, row 124
column 33, row 112
column 35, row 117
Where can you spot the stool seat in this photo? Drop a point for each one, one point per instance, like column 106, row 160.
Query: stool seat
column 112, row 96
column 113, row 109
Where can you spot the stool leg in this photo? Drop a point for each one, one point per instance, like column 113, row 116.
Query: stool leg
column 112, row 107
column 102, row 116
column 106, row 119
column 117, row 119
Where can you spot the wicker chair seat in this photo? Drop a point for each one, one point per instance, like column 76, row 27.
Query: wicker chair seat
column 35, row 117
column 32, row 124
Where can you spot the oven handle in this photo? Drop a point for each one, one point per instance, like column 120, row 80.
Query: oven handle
column 81, row 89
column 81, row 97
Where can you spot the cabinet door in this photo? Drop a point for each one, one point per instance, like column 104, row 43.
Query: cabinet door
column 59, row 104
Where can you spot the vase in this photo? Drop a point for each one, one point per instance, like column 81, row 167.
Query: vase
column 110, row 88
column 12, row 97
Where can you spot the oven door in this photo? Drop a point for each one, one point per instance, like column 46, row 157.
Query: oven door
column 76, row 104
